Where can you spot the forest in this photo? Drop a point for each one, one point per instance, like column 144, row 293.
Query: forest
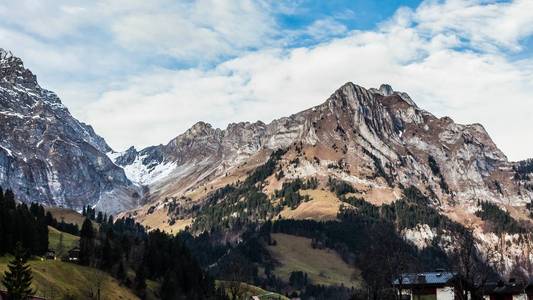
column 231, row 231
column 119, row 247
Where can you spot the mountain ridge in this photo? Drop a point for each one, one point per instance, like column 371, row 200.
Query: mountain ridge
column 386, row 117
column 374, row 144
column 48, row 156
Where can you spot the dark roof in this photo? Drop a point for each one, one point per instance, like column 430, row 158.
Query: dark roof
column 501, row 288
column 427, row 278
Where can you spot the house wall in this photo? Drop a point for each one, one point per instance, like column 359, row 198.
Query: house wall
column 445, row 293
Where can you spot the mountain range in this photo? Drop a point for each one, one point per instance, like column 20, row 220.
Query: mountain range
column 376, row 141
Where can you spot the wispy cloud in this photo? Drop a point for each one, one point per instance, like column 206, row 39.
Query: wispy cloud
column 157, row 67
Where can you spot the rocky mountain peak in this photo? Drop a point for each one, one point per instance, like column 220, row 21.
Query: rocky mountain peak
column 48, row 156
column 12, row 71
column 5, row 55
column 386, row 90
column 200, row 129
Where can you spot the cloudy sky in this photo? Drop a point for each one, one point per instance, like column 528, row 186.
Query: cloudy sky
column 141, row 72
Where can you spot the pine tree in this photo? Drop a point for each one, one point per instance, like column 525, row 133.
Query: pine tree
column 99, row 217
column 60, row 246
column 121, row 272
column 87, row 236
column 140, row 280
column 17, row 279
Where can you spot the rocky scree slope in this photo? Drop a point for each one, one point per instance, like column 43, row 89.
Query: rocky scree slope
column 48, row 156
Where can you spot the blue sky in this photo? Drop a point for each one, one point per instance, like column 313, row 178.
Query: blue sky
column 141, row 72
column 359, row 15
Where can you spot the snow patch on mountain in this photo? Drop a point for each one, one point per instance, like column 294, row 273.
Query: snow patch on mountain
column 141, row 173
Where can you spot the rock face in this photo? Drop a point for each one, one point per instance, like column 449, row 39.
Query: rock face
column 48, row 156
column 378, row 138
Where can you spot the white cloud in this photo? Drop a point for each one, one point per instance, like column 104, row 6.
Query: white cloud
column 200, row 30
column 480, row 86
column 482, row 26
column 452, row 57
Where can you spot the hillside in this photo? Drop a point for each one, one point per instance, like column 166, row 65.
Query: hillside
column 54, row 279
column 67, row 215
column 323, row 266
column 61, row 242
column 246, row 291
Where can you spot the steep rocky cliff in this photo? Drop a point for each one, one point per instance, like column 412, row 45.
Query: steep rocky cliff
column 376, row 139
column 48, row 156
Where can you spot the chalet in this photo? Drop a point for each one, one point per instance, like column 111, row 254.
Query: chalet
column 438, row 285
column 513, row 290
column 73, row 255
column 50, row 255
column 3, row 296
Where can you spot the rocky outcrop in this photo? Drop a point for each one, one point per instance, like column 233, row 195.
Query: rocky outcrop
column 48, row 156
column 381, row 136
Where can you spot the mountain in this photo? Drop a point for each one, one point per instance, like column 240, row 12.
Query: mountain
column 364, row 150
column 364, row 144
column 48, row 156
column 376, row 139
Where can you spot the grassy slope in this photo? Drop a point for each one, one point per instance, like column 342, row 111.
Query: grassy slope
column 324, row 205
column 323, row 266
column 68, row 215
column 69, row 241
column 251, row 290
column 54, row 279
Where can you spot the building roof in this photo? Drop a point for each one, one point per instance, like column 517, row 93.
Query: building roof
column 427, row 278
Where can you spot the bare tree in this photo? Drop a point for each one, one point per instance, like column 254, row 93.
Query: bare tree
column 472, row 264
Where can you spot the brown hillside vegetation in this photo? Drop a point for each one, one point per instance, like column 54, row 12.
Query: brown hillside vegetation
column 324, row 205
column 67, row 215
column 323, row 266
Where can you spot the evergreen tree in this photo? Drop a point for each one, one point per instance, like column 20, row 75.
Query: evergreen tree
column 60, row 246
column 17, row 279
column 86, row 242
column 121, row 272
column 99, row 217
column 140, row 280
column 169, row 286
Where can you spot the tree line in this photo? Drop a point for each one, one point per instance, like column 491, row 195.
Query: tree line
column 22, row 224
column 124, row 247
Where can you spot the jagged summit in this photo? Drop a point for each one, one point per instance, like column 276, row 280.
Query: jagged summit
column 358, row 125
column 5, row 54
column 12, row 71
column 48, row 156
column 386, row 90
